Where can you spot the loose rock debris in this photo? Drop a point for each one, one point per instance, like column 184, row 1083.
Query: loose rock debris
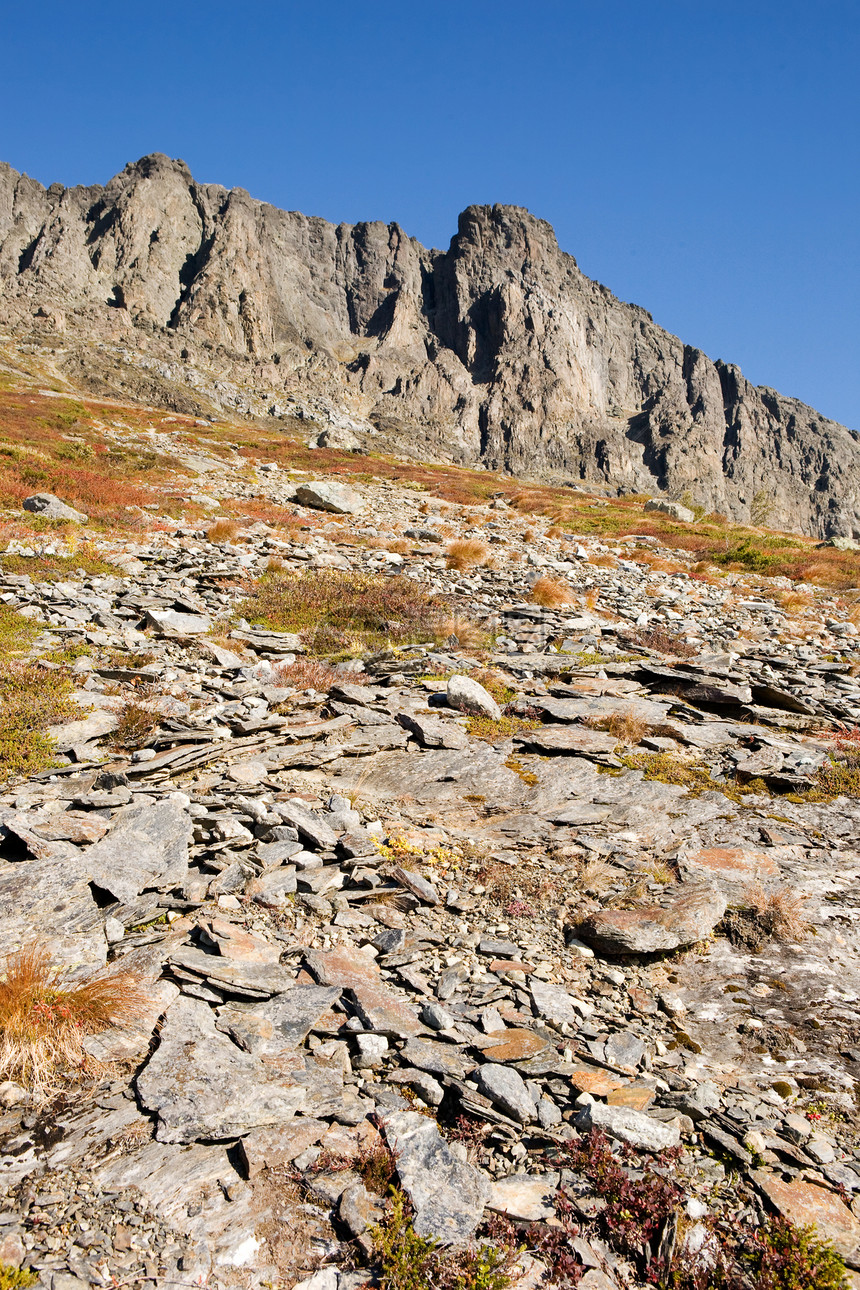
column 456, row 926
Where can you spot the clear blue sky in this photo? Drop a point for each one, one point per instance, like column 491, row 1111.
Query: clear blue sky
column 698, row 157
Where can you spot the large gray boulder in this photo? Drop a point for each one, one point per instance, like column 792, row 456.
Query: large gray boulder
column 467, row 695
column 322, row 495
column 51, row 508
column 674, row 509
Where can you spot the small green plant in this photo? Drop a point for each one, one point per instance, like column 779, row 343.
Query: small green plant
column 16, row 1278
column 411, row 1262
column 32, row 698
column 404, row 1257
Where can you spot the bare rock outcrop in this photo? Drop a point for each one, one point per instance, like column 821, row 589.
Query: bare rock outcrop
column 498, row 351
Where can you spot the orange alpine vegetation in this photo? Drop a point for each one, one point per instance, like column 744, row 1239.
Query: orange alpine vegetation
column 45, row 1017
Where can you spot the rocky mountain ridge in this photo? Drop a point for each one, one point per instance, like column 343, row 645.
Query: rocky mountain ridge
column 497, row 352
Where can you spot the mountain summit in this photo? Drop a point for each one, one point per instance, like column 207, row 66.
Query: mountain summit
column 496, row 352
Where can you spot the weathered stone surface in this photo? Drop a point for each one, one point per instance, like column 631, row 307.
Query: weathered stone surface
column 806, row 1202
column 202, row 1086
column 507, row 1089
column 448, row 1196
column 379, row 1007
column 434, row 732
column 674, row 509
column 170, row 622
column 49, row 506
column 514, row 1045
column 554, row 1003
column 310, row 290
column 146, row 847
column 271, row 1147
column 323, row 495
column 731, row 864
column 527, row 1197
column 251, row 980
column 566, row 739
column 464, row 694
column 691, row 916
column 634, row 1127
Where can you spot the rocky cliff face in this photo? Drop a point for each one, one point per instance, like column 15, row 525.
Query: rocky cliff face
column 498, row 351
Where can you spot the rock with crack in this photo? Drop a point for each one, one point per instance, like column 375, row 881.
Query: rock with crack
column 203, row 1087
column 447, row 1195
column 689, row 917
column 146, row 849
column 378, row 1006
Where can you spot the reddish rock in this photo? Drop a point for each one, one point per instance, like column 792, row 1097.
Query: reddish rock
column 597, row 1083
column 635, row 1096
column 803, row 1202
column 514, row 1045
column 377, row 1004
column 734, row 864
column 691, row 916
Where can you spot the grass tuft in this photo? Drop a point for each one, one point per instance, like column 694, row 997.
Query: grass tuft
column 467, row 553
column 44, row 1017
column 550, row 593
column 337, row 611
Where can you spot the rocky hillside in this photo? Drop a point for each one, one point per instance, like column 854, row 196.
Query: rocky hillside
column 497, row 352
column 479, row 895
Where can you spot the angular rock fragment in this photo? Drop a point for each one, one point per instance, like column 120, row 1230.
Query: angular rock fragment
column 146, row 848
column 321, row 495
column 202, row 1086
column 633, row 1127
column 448, row 1196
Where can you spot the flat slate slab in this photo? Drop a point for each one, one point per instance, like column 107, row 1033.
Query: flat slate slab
column 377, row 1004
column 146, row 848
column 689, row 917
column 202, row 1086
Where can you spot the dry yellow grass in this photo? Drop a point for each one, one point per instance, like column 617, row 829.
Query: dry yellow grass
column 467, row 553
column 623, row 727
column 223, row 531
column 307, row 674
column 469, row 635
column 44, row 1017
column 550, row 593
column 792, row 600
column 780, row 913
column 603, row 561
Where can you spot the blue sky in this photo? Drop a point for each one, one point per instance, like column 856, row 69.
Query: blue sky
column 699, row 158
